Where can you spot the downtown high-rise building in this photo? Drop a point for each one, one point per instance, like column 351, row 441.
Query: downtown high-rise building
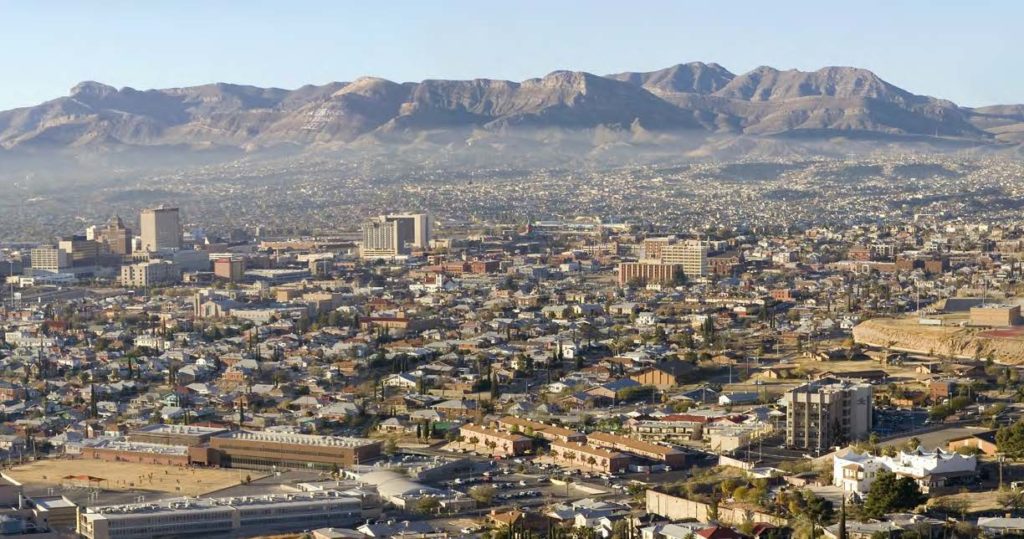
column 414, row 229
column 382, row 239
column 116, row 236
column 160, row 229
column 396, row 234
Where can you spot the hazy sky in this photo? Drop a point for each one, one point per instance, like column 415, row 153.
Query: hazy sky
column 968, row 51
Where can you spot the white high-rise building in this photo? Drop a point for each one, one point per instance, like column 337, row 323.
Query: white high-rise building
column 414, row 228
column 161, row 229
column 381, row 239
column 692, row 255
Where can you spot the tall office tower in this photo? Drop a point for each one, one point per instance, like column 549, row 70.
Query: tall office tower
column 161, row 229
column 381, row 239
column 116, row 236
column 827, row 412
column 80, row 251
column 414, row 229
column 692, row 255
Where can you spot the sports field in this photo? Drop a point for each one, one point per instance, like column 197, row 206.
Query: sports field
column 127, row 476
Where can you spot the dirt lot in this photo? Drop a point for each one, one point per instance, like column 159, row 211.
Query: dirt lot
column 128, row 476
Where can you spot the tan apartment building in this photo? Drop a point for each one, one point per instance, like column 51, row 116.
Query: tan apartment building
column 827, row 412
column 576, row 455
column 494, row 442
column 550, row 433
column 669, row 455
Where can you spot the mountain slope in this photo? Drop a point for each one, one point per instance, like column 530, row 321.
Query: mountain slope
column 685, row 98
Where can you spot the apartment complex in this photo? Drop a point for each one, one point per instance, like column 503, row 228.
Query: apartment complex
column 669, row 455
column 550, row 433
column 573, row 454
column 495, row 442
column 827, row 412
column 161, row 229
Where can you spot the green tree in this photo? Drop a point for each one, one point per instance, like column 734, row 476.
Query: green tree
column 426, row 505
column 1010, row 440
column 889, row 493
column 483, row 494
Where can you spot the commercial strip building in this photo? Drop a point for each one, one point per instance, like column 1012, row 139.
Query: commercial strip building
column 827, row 412
column 224, row 517
column 495, row 442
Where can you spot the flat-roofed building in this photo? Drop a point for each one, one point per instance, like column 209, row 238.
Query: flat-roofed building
column 150, row 273
column 551, row 433
column 668, row 429
column 827, row 412
column 161, row 229
column 414, row 229
column 649, row 272
column 229, row 268
column 49, row 258
column 117, row 450
column 240, row 516
column 81, row 252
column 692, row 255
column 186, row 435
column 995, row 315
column 587, row 457
column 116, row 236
column 669, row 455
column 495, row 442
column 261, row 450
column 383, row 238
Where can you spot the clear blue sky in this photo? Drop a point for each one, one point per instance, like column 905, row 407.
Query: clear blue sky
column 968, row 51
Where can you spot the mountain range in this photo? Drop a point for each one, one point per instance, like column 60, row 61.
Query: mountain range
column 694, row 101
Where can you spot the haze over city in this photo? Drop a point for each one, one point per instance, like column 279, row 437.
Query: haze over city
column 660, row 270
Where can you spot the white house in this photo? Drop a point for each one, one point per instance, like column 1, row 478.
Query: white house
column 401, row 380
column 855, row 472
